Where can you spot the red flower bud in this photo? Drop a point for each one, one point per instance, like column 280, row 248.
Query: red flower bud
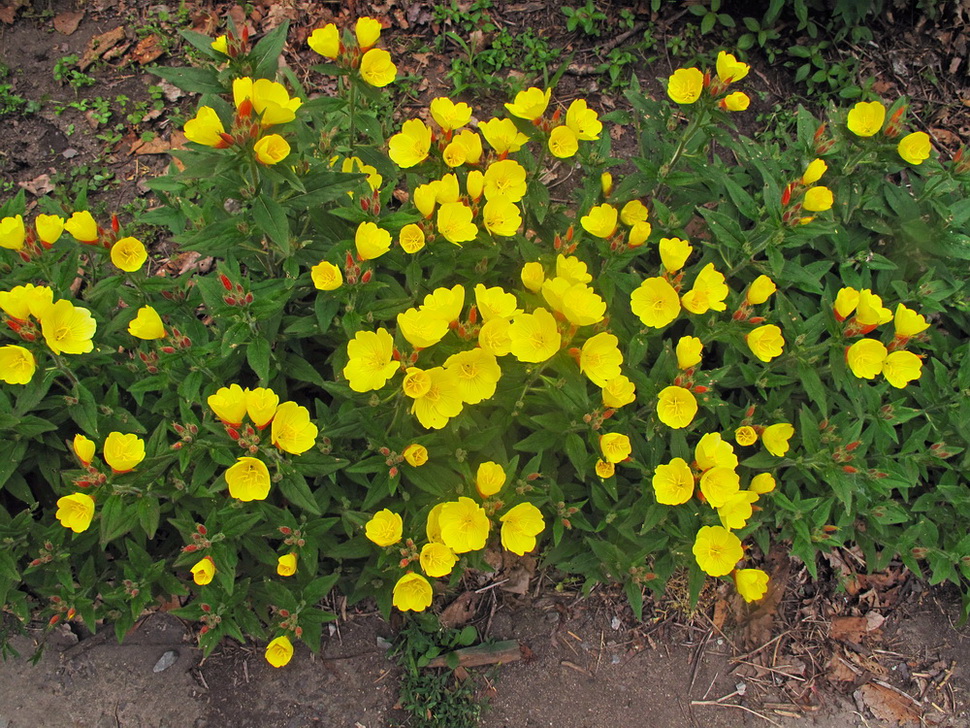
column 245, row 109
column 849, row 469
column 191, row 548
column 852, row 445
column 700, row 389
column 368, row 274
column 226, row 283
column 54, row 620
column 393, row 472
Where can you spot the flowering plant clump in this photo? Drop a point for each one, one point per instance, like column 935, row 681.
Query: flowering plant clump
column 409, row 361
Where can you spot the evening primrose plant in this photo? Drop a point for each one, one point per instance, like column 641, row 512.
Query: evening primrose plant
column 407, row 361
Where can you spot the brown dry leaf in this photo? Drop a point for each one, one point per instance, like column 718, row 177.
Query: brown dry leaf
column 849, row 628
column 840, row 671
column 460, row 611
column 8, row 11
column 889, row 705
column 38, row 186
column 720, row 613
column 147, row 50
column 66, row 23
column 99, row 45
column 945, row 136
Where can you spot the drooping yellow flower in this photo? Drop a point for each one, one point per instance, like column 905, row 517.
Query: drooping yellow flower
column 684, row 86
column 82, row 226
column 866, row 118
column 708, row 293
column 464, row 525
column 83, row 448
column 75, row 511
column 745, row 436
column 412, row 593
column 279, row 651
column 123, row 452
column 752, row 584
column 493, row 337
column 478, row 374
column 437, row 559
column 655, row 303
column 49, row 228
column 371, row 241
column 818, row 199
column 441, row 402
column 676, row 407
column 765, row 342
column 530, row 104
column 229, row 404
column 674, row 253
column 67, row 328
column 502, row 135
column 909, row 323
column 762, row 483
column 775, row 438
column 563, row 142
column 718, row 485
column 293, row 432
column 619, row 392
column 367, row 30
column 615, row 447
column 600, row 221
column 713, row 451
column 866, row 358
column 325, row 41
column 17, row 364
column 673, row 483
column 411, row 145
column 415, row 455
column 371, row 361
column 147, row 325
column 915, row 148
column 377, row 68
column 901, row 368
column 520, row 526
column 489, row 478
column 533, row 276
column 286, row 564
column 534, row 336
column 385, row 528
column 717, row 550
column 203, row 571
column 605, row 469
column 737, row 101
column 422, row 328
column 495, row 303
column 583, row 120
column 760, row 290
column 448, row 114
column 814, row 171
column 12, row 232
column 729, row 68
column 270, row 100
column 455, row 223
column 326, row 276
column 737, row 509
column 600, row 358
column 261, row 405
column 205, row 128
column 248, row 479
column 689, row 351
column 505, row 178
column 606, row 184
column 501, row 217
column 870, row 311
column 271, row 149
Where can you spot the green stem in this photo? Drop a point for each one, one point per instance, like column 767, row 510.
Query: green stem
column 692, row 128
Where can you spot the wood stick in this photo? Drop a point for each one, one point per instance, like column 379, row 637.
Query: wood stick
column 498, row 653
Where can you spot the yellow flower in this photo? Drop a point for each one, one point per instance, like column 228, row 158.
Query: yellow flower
column 123, row 452
column 371, row 241
column 760, row 290
column 75, row 511
column 326, row 276
column 478, row 374
column 619, row 392
column 673, row 483
column 685, row 85
column 870, row 311
column 501, row 217
column 455, row 223
column 229, row 404
column 411, row 238
column 493, row 337
column 489, row 479
column 271, row 149
column 450, row 115
column 655, row 303
column 495, row 303
column 866, row 118
column 505, row 178
column 600, row 358
column 147, row 325
column 286, row 564
column 354, row 165
column 17, row 364
column 27, row 300
column 502, row 135
column 471, row 146
column 572, row 269
column 412, row 593
column 736, row 510
column 279, row 651
column 520, row 526
column 203, row 571
column 606, row 184
column 674, row 252
column 325, row 41
column 818, row 199
column 421, row 328
column 447, row 189
column 563, row 142
column 583, row 121
column 909, row 323
column 411, row 145
column 901, row 368
column 67, row 328
column 845, row 302
column 377, row 68
column 633, row 212
column 718, row 485
column 12, row 232
column 205, row 128
column 689, row 351
column 437, row 559
column 639, row 234
column 293, row 432
column 729, row 68
column 615, row 447
column 765, row 342
column 49, row 228
column 713, row 451
column 762, row 483
column 82, row 227
column 745, row 436
column 534, row 336
column 554, row 291
column 416, row 382
column 270, row 100
column 866, row 358
column 441, row 402
column 530, row 104
column 676, row 407
column 433, row 526
column 248, row 479
column 915, row 148
column 601, row 220
column 128, row 254
column 814, row 171
column 776, row 437
column 717, row 550
column 475, row 184
column 83, row 448
column 605, row 469
column 752, row 584
column 367, row 31
column 738, row 101
column 415, row 455
column 385, row 528
column 533, row 276
column 370, row 362
column 464, row 525
column 221, row 45
column 445, row 303
column 708, row 293
column 582, row 306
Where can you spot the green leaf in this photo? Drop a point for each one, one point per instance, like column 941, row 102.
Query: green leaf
column 267, row 52
column 193, row 80
column 295, row 489
column 117, row 518
column 270, row 217
column 257, row 355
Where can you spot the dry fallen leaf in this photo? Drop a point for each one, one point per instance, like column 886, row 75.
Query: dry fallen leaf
column 39, row 186
column 890, row 705
column 8, row 11
column 849, row 628
column 100, row 45
column 147, row 50
column 66, row 23
column 460, row 611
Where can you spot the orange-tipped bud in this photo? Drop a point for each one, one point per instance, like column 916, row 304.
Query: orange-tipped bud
column 245, row 109
column 368, row 274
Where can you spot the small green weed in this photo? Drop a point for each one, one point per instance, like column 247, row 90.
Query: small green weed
column 586, row 18
column 66, row 71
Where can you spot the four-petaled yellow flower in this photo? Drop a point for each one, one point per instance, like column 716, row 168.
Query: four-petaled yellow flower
column 478, row 373
column 385, row 528
column 293, row 432
column 866, row 358
column 411, row 145
column 441, row 401
column 689, row 351
column 128, row 254
column 673, row 483
column 737, row 101
column 605, row 469
column 752, row 584
column 455, row 223
column 814, row 171
column 760, row 290
column 501, row 217
column 717, row 550
column 776, row 437
column 534, row 336
column 563, row 142
column 615, row 447
column 520, row 526
column 600, row 358
column 464, row 525
column 371, row 361
column 745, row 436
column 12, row 232
column 489, row 478
column 67, row 328
column 601, row 220
column 279, row 651
column 377, row 68
column 729, row 68
column 271, row 149
column 619, row 392
column 719, row 484
column 325, row 41
column 367, row 31
column 437, row 559
column 908, row 323
column 17, row 364
column 865, row 118
column 82, row 226
column 766, row 342
column 674, row 253
column 684, row 86
column 248, row 479
column 655, row 303
column 502, row 135
column 270, row 100
column 915, row 148
column 75, row 511
column 713, row 451
column 412, row 593
column 205, row 128
column 261, row 405
column 147, row 325
column 708, row 293
column 123, row 452
column 326, row 276
column 583, row 121
column 530, row 104
column 818, row 199
column 415, row 455
column 449, row 115
column 901, row 368
column 505, row 178
column 762, row 483
column 676, row 407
